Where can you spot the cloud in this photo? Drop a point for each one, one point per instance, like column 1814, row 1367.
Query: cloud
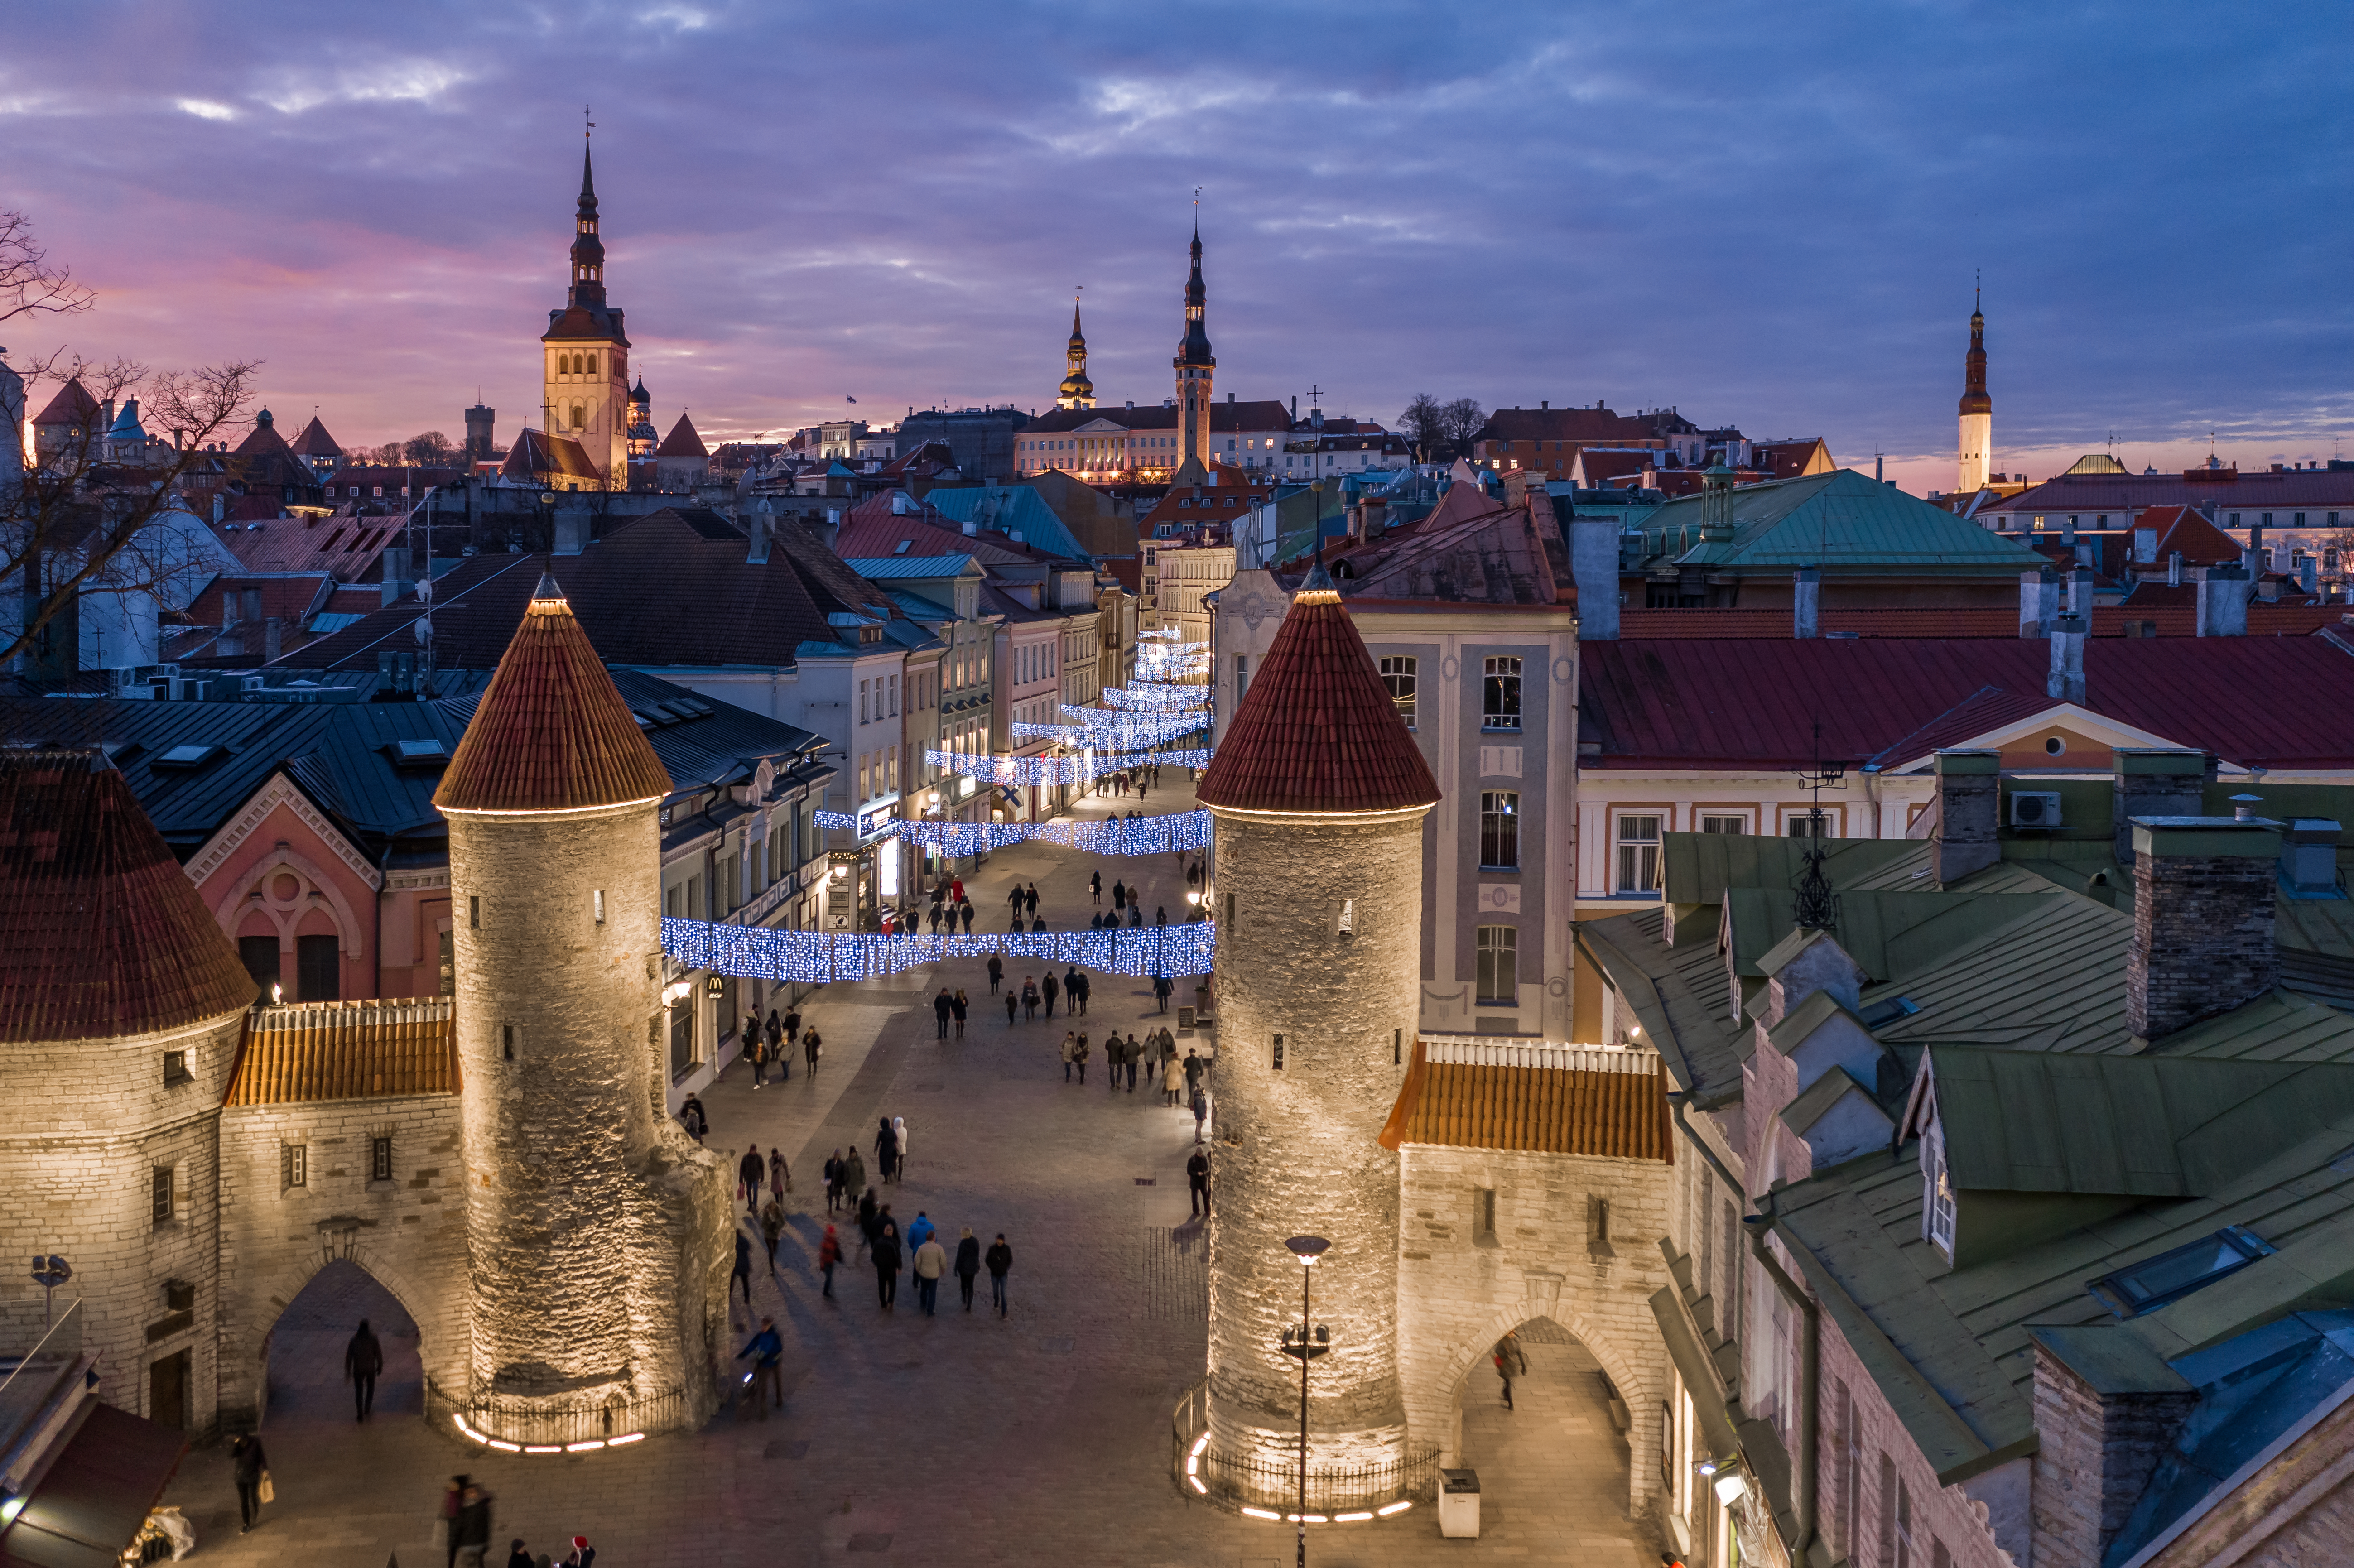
column 205, row 108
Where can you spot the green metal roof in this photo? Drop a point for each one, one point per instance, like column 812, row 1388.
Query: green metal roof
column 1681, row 995
column 1887, row 934
column 1696, row 868
column 1839, row 521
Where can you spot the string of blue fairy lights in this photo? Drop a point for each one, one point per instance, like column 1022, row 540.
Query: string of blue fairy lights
column 819, row 958
column 1167, row 834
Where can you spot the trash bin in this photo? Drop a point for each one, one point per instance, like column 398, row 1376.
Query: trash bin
column 1458, row 1504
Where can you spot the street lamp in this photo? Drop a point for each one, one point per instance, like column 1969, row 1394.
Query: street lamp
column 1307, row 1249
column 49, row 1271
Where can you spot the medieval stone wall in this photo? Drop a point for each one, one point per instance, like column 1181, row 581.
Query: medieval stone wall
column 1551, row 1254
column 1299, row 1144
column 408, row 1231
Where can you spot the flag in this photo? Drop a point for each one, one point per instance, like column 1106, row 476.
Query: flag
column 850, row 399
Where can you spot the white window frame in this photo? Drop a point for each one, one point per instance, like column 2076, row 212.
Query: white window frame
column 1834, row 820
column 1745, row 816
column 1658, row 816
column 1936, row 1187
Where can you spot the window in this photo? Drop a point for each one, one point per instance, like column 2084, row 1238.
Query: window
column 261, row 956
column 579, row 416
column 1278, row 1053
column 1499, row 829
column 861, row 700
column 1847, row 1454
column 474, row 911
column 1483, row 1214
column 380, row 1159
column 293, row 1165
column 1639, row 855
column 1397, row 674
column 175, row 1067
column 1937, row 1192
column 1242, row 678
column 159, row 1187
column 320, row 966
column 2154, row 1282
column 1501, row 703
column 1499, row 964
column 591, row 366
column 1734, row 826
column 601, row 906
column 506, row 1042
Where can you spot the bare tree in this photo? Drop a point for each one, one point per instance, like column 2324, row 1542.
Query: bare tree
column 1425, row 424
column 1461, row 421
column 29, row 282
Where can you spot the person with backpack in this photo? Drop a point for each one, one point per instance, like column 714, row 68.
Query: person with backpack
column 1509, row 1362
column 1029, row 998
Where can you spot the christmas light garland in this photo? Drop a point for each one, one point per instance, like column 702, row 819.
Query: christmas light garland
column 1157, row 698
column 818, row 958
column 1051, row 770
column 1171, row 833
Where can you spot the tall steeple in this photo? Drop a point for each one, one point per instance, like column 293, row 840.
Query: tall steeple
column 1978, row 409
column 585, row 358
column 1077, row 391
column 588, row 251
column 1196, row 369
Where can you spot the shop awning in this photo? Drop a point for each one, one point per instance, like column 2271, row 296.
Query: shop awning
column 95, row 1495
column 1716, row 1433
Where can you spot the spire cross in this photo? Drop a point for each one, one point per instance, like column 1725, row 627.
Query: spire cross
column 587, row 125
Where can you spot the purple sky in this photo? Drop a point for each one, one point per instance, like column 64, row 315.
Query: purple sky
column 1765, row 215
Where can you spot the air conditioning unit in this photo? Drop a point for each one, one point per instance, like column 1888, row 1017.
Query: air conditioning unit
column 2035, row 808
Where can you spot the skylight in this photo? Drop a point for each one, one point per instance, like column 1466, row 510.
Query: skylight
column 2153, row 1282
column 428, row 750
column 1888, row 1010
column 186, row 756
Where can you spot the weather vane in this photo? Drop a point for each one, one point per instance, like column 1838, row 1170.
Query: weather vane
column 587, row 125
column 1817, row 907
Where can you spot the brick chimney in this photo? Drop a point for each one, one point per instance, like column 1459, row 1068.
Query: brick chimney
column 2150, row 782
column 2038, row 601
column 2103, row 1430
column 2066, row 682
column 1969, row 804
column 2203, row 937
column 1807, row 602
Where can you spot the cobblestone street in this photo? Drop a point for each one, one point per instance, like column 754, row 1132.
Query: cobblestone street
column 960, row 1438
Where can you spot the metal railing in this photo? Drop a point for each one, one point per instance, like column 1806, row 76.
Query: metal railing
column 1230, row 1480
column 534, row 1424
column 30, row 1379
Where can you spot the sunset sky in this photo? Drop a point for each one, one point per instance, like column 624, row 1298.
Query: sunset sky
column 1765, row 216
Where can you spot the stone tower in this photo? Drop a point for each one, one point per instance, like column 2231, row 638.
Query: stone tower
column 598, row 1234
column 1319, row 791
column 584, row 396
column 1076, row 391
column 1977, row 411
column 1196, row 368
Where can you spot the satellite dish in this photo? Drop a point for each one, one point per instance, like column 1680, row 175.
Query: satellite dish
column 423, row 626
column 425, row 591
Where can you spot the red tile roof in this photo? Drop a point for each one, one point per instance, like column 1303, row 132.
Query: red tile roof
column 1587, row 427
column 552, row 732
column 681, row 441
column 316, row 442
column 73, row 405
column 1701, row 704
column 1547, row 1109
column 102, row 934
column 1317, row 731
column 345, row 1050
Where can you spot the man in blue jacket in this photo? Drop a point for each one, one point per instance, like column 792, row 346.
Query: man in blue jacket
column 767, row 1379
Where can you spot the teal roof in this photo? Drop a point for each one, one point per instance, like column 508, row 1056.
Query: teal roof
column 882, row 568
column 1839, row 521
column 1008, row 509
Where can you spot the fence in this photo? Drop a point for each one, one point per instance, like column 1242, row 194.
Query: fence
column 539, row 1426
column 1233, row 1481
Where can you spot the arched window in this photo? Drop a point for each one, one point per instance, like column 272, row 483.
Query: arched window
column 590, row 366
column 579, row 418
column 564, row 365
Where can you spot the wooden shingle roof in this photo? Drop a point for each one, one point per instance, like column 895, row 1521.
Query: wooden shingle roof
column 1316, row 730
column 1468, row 1094
column 102, row 934
column 552, row 733
column 345, row 1050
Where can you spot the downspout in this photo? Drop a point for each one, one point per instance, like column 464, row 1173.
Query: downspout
column 1810, row 1372
column 383, row 891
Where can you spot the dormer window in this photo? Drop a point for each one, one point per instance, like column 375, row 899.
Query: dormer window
column 1937, row 1189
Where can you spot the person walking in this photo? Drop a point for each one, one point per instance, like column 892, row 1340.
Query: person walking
column 1195, row 1068
column 1013, row 1005
column 691, row 1117
column 1070, row 1053
column 887, row 1150
column 750, row 1171
column 743, row 1268
column 250, row 1466
column 362, row 1362
column 886, row 1265
column 1030, row 901
column 829, row 1253
column 780, row 1177
column 1047, row 987
column 853, row 1177
column 1197, row 1183
column 964, row 912
column 931, row 1262
column 968, row 1264
column 772, row 1225
column 1079, row 1056
column 870, row 1218
column 755, row 1046
column 920, row 1229
column 1118, row 896
column 767, row 1373
column 1161, row 988
column 957, row 1008
column 996, row 972
column 999, row 1260
column 811, row 1047
column 934, row 917
column 1510, row 1363
column 1095, row 887
column 474, row 1525
column 1112, row 1059
column 941, row 1006
column 1200, row 1112
column 452, row 1495
column 1078, row 985
column 899, row 1158
column 831, row 1172
column 1015, row 898
column 516, row 1556
column 1029, row 998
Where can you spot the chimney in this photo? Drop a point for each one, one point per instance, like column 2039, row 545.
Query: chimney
column 761, row 522
column 270, row 640
column 2066, row 682
column 2202, row 936
column 2251, row 560
column 2080, row 591
column 2174, row 568
column 2309, row 862
column 1969, row 804
column 220, row 506
column 397, row 573
column 2152, row 782
column 2038, row 601
column 2308, row 573
column 2223, row 601
column 899, row 503
column 1593, row 564
column 2103, row 1432
column 1806, row 601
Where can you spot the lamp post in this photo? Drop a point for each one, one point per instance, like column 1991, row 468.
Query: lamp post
column 49, row 1271
column 1307, row 1249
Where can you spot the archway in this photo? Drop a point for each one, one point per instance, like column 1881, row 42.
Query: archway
column 1555, row 1467
column 303, row 1358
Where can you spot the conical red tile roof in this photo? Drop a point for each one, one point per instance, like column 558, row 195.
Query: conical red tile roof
column 1316, row 730
column 552, row 733
column 102, row 934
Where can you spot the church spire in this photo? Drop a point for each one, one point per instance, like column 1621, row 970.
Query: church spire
column 1977, row 409
column 588, row 251
column 1195, row 349
column 1076, row 391
column 1196, row 369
